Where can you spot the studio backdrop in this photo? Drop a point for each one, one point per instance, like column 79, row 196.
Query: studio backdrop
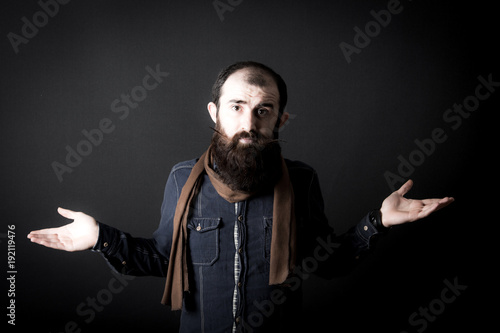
column 100, row 99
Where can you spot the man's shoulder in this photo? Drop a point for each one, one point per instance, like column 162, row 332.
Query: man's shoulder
column 291, row 164
column 183, row 169
column 179, row 174
column 298, row 166
column 185, row 165
column 296, row 169
column 299, row 170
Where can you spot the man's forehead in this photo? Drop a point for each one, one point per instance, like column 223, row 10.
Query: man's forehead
column 251, row 81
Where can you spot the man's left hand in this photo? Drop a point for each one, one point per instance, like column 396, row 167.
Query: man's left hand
column 396, row 209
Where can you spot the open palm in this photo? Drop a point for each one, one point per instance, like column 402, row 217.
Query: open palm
column 79, row 235
column 396, row 209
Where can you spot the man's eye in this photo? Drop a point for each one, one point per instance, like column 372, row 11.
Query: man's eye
column 262, row 112
column 236, row 108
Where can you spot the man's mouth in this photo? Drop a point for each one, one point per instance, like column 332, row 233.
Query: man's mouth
column 246, row 140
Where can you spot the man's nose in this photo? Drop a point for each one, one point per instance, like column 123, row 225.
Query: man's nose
column 249, row 122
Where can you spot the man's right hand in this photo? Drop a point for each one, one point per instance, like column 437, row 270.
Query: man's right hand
column 79, row 235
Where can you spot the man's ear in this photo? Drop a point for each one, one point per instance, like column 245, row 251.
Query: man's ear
column 284, row 118
column 212, row 109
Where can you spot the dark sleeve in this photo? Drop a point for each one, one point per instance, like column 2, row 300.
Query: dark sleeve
column 328, row 253
column 139, row 256
column 129, row 255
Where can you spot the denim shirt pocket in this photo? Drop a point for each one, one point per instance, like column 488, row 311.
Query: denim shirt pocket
column 268, row 234
column 204, row 240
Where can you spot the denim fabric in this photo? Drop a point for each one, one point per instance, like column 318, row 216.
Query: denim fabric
column 227, row 294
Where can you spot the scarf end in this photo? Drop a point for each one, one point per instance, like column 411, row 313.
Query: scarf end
column 280, row 277
column 174, row 305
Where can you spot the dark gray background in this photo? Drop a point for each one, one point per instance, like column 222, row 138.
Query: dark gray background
column 349, row 121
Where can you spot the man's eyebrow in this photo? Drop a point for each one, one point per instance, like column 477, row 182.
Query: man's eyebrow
column 240, row 101
column 237, row 101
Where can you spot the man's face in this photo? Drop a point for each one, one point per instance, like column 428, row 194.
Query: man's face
column 247, row 156
column 245, row 107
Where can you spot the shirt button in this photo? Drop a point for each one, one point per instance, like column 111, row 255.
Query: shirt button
column 240, row 250
column 105, row 244
column 124, row 262
column 239, row 284
column 240, row 218
column 237, row 320
column 365, row 228
column 198, row 228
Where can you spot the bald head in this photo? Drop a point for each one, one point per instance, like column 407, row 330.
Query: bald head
column 258, row 77
column 257, row 74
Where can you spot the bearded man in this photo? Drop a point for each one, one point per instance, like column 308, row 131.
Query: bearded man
column 238, row 223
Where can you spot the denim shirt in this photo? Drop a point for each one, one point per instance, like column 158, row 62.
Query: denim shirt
column 229, row 253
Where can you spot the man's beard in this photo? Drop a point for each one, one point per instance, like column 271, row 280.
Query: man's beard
column 248, row 167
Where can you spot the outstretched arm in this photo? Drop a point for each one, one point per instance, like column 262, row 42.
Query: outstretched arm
column 79, row 235
column 126, row 254
column 396, row 209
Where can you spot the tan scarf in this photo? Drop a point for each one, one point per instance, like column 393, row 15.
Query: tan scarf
column 283, row 234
